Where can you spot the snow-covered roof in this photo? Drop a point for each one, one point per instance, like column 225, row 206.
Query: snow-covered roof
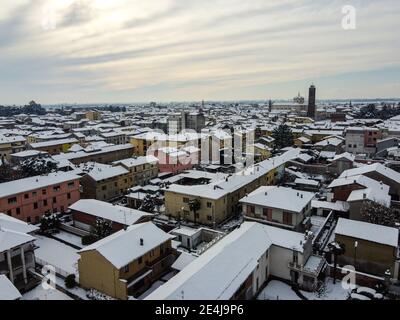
column 344, row 156
column 52, row 143
column 10, row 223
column 307, row 182
column 7, row 289
column 183, row 261
column 33, row 183
column 375, row 167
column 220, row 188
column 11, row 239
column 99, row 171
column 129, row 241
column 368, row 231
column 219, row 272
column 133, row 162
column 277, row 197
column 28, row 153
column 341, row 206
column 108, row 211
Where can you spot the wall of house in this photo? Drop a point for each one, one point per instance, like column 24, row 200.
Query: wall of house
column 30, row 206
column 369, row 257
column 106, row 189
column 279, row 262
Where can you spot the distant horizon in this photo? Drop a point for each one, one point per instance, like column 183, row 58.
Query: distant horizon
column 356, row 100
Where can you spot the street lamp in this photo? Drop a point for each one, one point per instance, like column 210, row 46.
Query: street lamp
column 355, row 253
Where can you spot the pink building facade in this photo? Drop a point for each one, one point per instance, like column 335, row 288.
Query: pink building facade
column 28, row 199
column 175, row 161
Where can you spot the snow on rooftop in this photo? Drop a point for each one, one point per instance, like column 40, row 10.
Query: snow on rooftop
column 10, row 223
column 375, row 167
column 183, row 261
column 219, row 272
column 105, row 210
column 133, row 162
column 10, row 239
column 307, row 182
column 341, row 206
column 277, row 197
column 110, row 247
column 99, row 171
column 53, row 143
column 367, row 231
column 33, row 183
column 7, row 289
column 221, row 187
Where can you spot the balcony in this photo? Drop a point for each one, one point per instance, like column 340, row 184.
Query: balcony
column 313, row 266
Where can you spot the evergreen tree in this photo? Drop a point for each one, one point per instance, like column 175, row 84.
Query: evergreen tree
column 283, row 136
column 49, row 223
column 194, row 206
column 37, row 166
column 376, row 213
column 102, row 228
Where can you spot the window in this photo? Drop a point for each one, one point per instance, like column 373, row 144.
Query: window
column 34, row 193
column 18, row 211
column 287, row 218
column 26, row 195
column 209, row 218
column 9, row 212
column 68, row 196
column 140, row 260
column 267, row 212
column 104, row 187
column 209, row 205
column 126, row 268
column 185, row 200
column 251, row 209
column 54, row 200
column 12, row 200
column 71, row 184
column 44, row 191
column 35, row 205
column 45, row 202
column 56, row 188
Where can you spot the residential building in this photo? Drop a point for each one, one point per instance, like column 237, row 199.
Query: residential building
column 105, row 182
column 270, row 205
column 10, row 145
column 54, row 147
column 105, row 154
column 362, row 140
column 85, row 212
column 370, row 248
column 219, row 200
column 238, row 266
column 147, row 254
column 28, row 199
column 17, row 257
column 142, row 169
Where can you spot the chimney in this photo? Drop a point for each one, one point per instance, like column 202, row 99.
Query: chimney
column 141, row 242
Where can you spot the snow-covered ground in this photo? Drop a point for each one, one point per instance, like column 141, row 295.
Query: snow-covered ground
column 57, row 254
column 39, row 293
column 69, row 238
column 332, row 292
column 277, row 290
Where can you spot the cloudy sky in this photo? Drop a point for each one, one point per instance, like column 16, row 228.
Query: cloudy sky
column 56, row 51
